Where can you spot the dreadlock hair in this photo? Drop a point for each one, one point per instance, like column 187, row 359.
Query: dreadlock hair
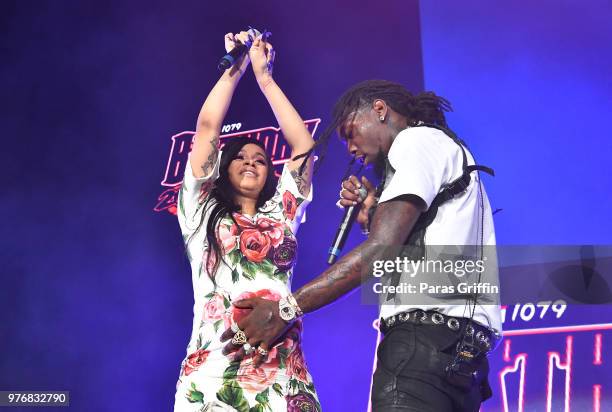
column 221, row 199
column 424, row 107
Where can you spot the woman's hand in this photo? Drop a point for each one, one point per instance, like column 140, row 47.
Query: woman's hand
column 262, row 56
column 349, row 196
column 231, row 40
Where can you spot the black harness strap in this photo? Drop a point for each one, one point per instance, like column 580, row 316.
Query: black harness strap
column 416, row 239
column 458, row 186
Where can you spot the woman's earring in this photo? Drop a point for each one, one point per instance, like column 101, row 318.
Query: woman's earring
column 382, row 118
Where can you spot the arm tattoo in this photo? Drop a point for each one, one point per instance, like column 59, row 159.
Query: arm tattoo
column 301, row 180
column 339, row 279
column 209, row 164
column 391, row 226
column 345, row 268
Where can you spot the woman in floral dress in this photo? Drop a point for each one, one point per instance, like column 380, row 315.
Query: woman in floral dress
column 239, row 228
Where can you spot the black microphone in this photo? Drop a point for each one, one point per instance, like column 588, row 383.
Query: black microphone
column 230, row 58
column 350, row 214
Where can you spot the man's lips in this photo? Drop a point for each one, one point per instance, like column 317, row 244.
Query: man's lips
column 359, row 156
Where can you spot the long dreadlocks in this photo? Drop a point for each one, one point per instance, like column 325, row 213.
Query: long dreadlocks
column 424, row 107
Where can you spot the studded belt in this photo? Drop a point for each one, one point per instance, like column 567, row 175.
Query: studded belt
column 485, row 338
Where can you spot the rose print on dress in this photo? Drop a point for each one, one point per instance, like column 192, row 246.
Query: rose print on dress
column 228, row 237
column 254, row 379
column 214, row 308
column 217, row 310
column 302, row 402
column 254, row 245
column 194, row 361
column 284, row 255
column 258, row 245
column 254, row 250
column 296, row 366
column 272, row 229
column 290, row 205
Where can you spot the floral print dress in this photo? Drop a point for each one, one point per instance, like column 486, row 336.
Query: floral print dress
column 259, row 254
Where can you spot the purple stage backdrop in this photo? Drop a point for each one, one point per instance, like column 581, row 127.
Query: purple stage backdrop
column 96, row 296
column 531, row 89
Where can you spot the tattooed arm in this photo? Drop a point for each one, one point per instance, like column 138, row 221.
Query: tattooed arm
column 391, row 226
column 290, row 122
column 208, row 128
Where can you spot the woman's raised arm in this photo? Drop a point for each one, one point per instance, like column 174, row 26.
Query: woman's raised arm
column 290, row 122
column 208, row 128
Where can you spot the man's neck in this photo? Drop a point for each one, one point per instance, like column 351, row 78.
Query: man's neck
column 397, row 124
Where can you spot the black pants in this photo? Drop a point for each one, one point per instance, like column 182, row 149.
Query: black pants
column 410, row 374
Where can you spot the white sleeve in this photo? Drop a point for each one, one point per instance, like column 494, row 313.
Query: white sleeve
column 192, row 195
column 292, row 202
column 424, row 159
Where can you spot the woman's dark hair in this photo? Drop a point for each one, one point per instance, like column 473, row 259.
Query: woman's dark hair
column 221, row 198
column 424, row 107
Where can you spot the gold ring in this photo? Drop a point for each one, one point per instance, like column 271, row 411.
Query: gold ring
column 239, row 338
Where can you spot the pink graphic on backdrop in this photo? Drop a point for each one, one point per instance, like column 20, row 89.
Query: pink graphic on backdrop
column 559, row 371
column 271, row 137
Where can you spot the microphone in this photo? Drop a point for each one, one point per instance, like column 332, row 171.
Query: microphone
column 240, row 50
column 350, row 214
column 230, row 58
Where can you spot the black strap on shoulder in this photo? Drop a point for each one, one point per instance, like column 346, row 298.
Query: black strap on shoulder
column 459, row 185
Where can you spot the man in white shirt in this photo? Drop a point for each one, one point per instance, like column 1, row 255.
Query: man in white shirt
column 433, row 356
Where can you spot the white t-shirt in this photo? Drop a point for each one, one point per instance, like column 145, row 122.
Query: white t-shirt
column 423, row 161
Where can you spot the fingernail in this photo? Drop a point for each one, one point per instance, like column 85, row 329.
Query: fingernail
column 354, row 203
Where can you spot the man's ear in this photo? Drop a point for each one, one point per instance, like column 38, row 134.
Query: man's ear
column 380, row 108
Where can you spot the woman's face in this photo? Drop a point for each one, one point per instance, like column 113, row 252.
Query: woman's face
column 248, row 171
